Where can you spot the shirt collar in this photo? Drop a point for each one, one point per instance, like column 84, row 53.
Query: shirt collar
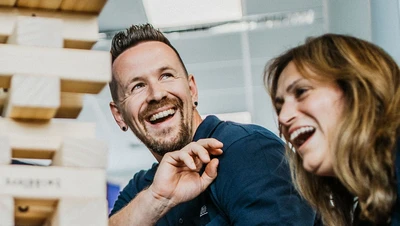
column 206, row 127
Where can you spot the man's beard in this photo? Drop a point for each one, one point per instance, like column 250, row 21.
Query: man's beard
column 160, row 146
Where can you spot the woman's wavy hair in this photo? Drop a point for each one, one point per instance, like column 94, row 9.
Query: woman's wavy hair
column 366, row 137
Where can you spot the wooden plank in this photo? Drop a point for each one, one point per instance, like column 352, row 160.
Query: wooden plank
column 70, row 106
column 66, row 142
column 43, row 4
column 54, row 127
column 5, row 151
column 7, row 2
column 3, row 99
column 78, row 30
column 80, row 71
column 78, row 152
column 7, row 22
column 52, row 182
column 93, row 6
column 37, row 31
column 33, row 97
column 6, row 210
column 40, row 139
column 71, row 152
column 33, row 211
column 80, row 212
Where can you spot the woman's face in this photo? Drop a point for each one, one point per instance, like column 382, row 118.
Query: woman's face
column 309, row 112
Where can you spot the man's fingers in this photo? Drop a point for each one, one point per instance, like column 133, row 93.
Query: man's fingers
column 212, row 145
column 210, row 173
column 197, row 150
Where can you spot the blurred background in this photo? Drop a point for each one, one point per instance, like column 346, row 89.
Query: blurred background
column 225, row 44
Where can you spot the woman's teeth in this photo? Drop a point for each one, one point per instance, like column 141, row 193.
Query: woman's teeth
column 299, row 131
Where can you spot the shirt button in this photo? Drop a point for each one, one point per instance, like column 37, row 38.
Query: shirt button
column 180, row 221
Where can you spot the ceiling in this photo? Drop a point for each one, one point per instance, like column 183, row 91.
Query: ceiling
column 227, row 64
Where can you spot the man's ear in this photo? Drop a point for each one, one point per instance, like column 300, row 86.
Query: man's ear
column 118, row 116
column 193, row 89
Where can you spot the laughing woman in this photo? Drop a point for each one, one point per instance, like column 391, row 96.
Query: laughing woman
column 338, row 104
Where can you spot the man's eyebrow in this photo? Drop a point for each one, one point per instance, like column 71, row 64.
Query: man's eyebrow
column 134, row 79
column 140, row 77
column 163, row 68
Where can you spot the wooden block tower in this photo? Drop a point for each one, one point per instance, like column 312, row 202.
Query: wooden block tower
column 46, row 65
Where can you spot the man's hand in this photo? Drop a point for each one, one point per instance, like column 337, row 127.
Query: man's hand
column 178, row 179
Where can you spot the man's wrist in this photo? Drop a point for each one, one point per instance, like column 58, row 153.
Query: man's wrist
column 160, row 204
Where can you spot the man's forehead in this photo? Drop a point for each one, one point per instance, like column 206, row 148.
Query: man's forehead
column 146, row 57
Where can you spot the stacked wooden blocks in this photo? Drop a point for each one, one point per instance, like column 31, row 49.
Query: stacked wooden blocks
column 46, row 65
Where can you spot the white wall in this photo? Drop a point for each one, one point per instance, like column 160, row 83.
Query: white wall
column 386, row 26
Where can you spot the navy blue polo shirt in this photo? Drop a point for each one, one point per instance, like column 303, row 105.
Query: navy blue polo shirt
column 253, row 186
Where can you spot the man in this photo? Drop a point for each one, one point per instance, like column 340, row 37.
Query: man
column 156, row 98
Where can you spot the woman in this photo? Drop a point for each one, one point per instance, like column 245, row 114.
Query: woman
column 338, row 104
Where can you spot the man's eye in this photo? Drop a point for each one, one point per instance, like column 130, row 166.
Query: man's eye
column 137, row 86
column 166, row 76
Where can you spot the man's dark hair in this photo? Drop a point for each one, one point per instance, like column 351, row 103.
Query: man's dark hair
column 130, row 37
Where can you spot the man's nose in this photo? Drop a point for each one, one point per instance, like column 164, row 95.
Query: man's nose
column 156, row 92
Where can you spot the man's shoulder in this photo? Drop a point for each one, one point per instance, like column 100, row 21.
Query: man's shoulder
column 230, row 132
column 144, row 176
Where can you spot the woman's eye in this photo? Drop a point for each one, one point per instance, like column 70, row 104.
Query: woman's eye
column 299, row 92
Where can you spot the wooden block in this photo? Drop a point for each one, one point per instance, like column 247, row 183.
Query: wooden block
column 55, row 127
column 41, row 139
column 43, row 4
column 6, row 210
column 33, row 97
column 77, row 152
column 3, row 99
column 5, row 151
column 7, row 2
column 51, row 182
column 78, row 30
column 70, row 106
column 80, row 71
column 37, row 31
column 93, row 6
column 33, row 211
column 52, row 212
column 7, row 22
column 80, row 212
column 73, row 152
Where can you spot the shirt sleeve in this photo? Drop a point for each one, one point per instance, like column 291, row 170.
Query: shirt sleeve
column 254, row 186
column 128, row 193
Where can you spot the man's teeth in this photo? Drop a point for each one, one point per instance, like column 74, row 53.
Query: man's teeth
column 299, row 131
column 162, row 114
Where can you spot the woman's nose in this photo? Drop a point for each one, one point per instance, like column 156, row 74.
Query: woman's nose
column 287, row 113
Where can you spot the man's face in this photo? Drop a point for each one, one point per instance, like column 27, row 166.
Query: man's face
column 156, row 96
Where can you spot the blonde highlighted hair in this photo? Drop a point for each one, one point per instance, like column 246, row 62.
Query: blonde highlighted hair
column 366, row 137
